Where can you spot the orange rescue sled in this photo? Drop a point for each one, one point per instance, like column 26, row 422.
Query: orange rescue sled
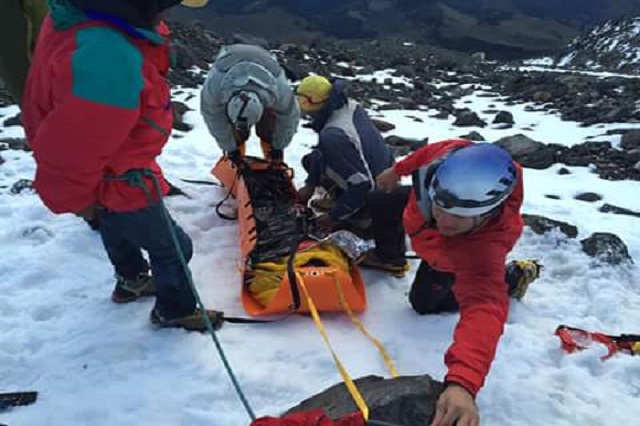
column 329, row 287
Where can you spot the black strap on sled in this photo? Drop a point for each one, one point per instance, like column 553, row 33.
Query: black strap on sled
column 219, row 212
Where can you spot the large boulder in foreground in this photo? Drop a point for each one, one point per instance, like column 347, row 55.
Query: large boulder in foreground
column 404, row 401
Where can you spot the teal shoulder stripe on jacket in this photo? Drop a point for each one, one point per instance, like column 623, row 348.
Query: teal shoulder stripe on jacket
column 107, row 68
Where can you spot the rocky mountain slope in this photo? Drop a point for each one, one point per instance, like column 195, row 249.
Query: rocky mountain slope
column 612, row 46
column 502, row 28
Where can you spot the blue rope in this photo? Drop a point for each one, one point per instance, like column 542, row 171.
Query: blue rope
column 134, row 178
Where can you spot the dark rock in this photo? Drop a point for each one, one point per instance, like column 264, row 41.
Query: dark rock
column 2, row 160
column 365, row 70
column 504, row 117
column 21, row 185
column 383, row 126
column 467, row 118
column 202, row 46
column 18, row 144
column 5, row 98
column 488, row 95
column 179, row 109
column 589, row 197
column 609, row 208
column 16, row 120
column 442, row 115
column 630, row 139
column 607, row 247
column 404, row 146
column 634, row 155
column 403, row 401
column 552, row 197
column 184, row 57
column 542, row 97
column 183, row 127
column 527, row 152
column 399, row 61
column 250, row 39
column 541, row 225
column 473, row 136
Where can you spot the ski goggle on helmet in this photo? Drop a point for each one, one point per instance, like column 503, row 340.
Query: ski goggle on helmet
column 313, row 93
column 244, row 109
column 473, row 180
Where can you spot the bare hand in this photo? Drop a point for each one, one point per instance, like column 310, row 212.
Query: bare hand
column 305, row 193
column 388, row 179
column 456, row 406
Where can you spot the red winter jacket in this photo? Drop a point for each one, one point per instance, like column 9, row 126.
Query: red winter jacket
column 478, row 262
column 96, row 104
column 310, row 418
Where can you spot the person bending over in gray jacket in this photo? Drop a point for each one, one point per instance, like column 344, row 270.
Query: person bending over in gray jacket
column 246, row 87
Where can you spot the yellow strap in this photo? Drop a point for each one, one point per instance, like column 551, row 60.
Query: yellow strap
column 353, row 390
column 383, row 352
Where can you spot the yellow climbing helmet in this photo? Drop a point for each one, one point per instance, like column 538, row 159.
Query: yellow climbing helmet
column 313, row 92
column 195, row 3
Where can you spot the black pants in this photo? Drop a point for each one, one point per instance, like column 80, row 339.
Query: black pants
column 385, row 210
column 432, row 291
column 381, row 220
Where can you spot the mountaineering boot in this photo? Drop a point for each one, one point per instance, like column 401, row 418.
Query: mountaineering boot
column 191, row 322
column 521, row 273
column 398, row 268
column 130, row 290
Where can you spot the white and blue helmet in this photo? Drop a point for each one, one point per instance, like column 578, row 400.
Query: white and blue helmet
column 473, row 180
column 244, row 108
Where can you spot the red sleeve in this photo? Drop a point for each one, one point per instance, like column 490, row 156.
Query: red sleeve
column 425, row 155
column 482, row 295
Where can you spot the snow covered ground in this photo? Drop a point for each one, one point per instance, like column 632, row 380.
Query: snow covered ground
column 96, row 363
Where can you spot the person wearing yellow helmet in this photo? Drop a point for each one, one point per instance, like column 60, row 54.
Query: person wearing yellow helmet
column 247, row 87
column 349, row 155
column 313, row 92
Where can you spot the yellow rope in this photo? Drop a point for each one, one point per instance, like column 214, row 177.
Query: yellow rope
column 383, row 352
column 351, row 386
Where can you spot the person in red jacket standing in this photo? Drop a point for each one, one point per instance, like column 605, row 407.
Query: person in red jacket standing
column 97, row 112
column 463, row 218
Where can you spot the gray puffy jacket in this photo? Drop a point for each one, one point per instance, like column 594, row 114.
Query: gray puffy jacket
column 242, row 66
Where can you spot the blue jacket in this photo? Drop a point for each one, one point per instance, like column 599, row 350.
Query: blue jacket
column 350, row 152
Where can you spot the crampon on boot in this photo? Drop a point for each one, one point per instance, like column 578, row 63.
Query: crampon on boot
column 397, row 268
column 521, row 273
column 191, row 322
column 128, row 290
